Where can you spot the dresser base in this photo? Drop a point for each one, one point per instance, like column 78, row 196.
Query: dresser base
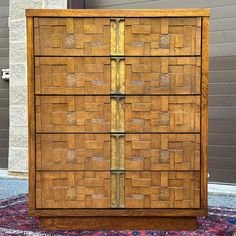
column 118, row 223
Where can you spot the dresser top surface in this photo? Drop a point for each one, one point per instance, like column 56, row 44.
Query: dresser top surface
column 188, row 12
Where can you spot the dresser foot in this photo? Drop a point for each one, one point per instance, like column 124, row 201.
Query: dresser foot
column 118, row 223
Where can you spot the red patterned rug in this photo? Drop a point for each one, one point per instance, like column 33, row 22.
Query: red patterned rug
column 14, row 220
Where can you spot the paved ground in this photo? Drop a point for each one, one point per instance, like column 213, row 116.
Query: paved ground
column 11, row 187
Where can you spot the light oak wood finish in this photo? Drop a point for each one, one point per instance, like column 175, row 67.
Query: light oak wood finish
column 72, row 36
column 162, row 75
column 204, row 119
column 119, row 13
column 162, row 36
column 118, row 118
column 31, row 112
column 91, row 189
column 98, row 75
column 162, row 114
column 73, row 151
column 99, row 152
column 72, row 75
column 117, row 223
column 73, row 114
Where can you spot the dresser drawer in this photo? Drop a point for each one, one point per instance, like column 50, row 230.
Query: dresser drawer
column 73, row 189
column 104, row 189
column 72, row 75
column 73, row 151
column 162, row 75
column 118, row 151
column 117, row 114
column 153, row 189
column 127, row 75
column 162, row 36
column 73, row 114
column 162, row 151
column 72, row 36
column 117, row 36
column 162, row 114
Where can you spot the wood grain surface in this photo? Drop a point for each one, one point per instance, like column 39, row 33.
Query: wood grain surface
column 118, row 117
column 162, row 36
column 101, row 189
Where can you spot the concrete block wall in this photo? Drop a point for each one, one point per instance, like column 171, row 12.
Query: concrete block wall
column 18, row 132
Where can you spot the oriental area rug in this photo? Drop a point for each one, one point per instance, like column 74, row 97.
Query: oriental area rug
column 14, row 220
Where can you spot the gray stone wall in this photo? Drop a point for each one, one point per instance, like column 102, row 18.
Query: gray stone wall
column 18, row 137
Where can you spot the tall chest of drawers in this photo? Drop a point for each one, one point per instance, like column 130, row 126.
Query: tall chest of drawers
column 117, row 118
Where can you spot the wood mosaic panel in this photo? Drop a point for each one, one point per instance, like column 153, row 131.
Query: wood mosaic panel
column 72, row 75
column 162, row 151
column 73, row 151
column 72, row 36
column 73, row 189
column 132, row 75
column 162, row 114
column 73, row 114
column 162, row 189
column 162, row 75
column 162, row 36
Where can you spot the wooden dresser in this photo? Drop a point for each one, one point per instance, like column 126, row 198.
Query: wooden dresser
column 118, row 118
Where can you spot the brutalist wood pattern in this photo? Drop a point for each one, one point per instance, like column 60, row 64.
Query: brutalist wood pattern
column 73, row 189
column 141, row 152
column 91, row 189
column 118, row 117
column 72, row 36
column 162, row 36
column 162, row 151
column 162, row 189
column 73, row 114
column 129, row 114
column 73, row 151
column 162, row 114
column 72, row 75
column 98, row 75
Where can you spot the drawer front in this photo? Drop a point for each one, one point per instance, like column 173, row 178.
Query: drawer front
column 128, row 75
column 162, row 151
column 73, row 114
column 117, row 152
column 162, row 114
column 73, row 152
column 72, row 75
column 162, row 36
column 101, row 189
column 118, row 114
column 162, row 189
column 162, row 75
column 73, row 189
column 72, row 36
column 117, row 36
